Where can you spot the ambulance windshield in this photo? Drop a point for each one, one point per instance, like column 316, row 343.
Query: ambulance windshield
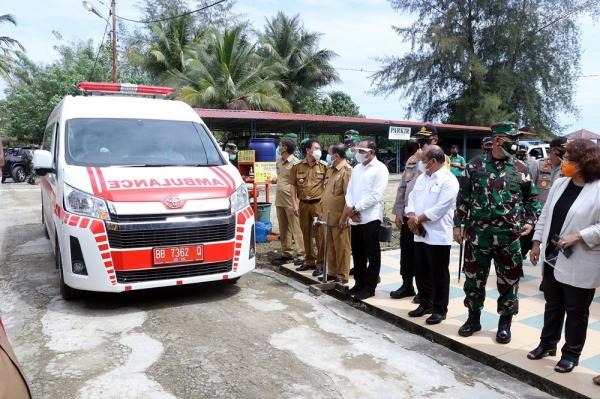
column 139, row 142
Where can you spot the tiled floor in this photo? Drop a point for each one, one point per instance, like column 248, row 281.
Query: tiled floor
column 526, row 325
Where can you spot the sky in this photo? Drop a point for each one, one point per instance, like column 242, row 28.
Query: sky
column 357, row 30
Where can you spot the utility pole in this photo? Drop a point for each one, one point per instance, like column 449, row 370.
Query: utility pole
column 113, row 12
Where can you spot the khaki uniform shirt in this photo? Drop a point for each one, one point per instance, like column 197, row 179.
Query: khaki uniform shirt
column 308, row 180
column 334, row 192
column 283, row 196
column 545, row 177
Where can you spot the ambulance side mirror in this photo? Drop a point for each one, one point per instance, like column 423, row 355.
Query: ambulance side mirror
column 42, row 162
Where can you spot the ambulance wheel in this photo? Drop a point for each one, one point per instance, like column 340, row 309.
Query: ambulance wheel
column 67, row 293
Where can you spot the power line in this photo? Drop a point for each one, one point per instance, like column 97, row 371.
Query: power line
column 174, row 17
column 99, row 48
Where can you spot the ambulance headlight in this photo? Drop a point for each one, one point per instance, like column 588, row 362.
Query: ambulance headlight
column 84, row 204
column 239, row 199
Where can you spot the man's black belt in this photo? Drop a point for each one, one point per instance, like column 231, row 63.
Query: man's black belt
column 311, row 201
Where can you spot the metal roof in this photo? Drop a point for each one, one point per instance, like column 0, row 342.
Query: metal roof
column 277, row 122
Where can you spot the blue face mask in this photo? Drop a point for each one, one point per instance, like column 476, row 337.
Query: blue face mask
column 329, row 160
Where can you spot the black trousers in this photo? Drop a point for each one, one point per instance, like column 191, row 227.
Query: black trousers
column 366, row 254
column 433, row 276
column 575, row 302
column 407, row 254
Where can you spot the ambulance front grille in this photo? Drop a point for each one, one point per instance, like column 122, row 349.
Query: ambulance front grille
column 165, row 217
column 165, row 273
column 139, row 238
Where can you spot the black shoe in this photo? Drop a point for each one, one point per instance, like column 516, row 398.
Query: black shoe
column 329, row 278
column 282, row 258
column 305, row 266
column 416, row 299
column 351, row 272
column 503, row 335
column 471, row 325
column 420, row 311
column 540, row 352
column 364, row 294
column 355, row 290
column 403, row 292
column 298, row 261
column 565, row 365
column 318, row 271
column 340, row 280
column 435, row 318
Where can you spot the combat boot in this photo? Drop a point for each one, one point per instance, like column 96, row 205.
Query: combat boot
column 471, row 325
column 503, row 335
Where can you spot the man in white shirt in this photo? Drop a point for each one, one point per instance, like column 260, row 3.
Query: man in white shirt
column 430, row 213
column 364, row 209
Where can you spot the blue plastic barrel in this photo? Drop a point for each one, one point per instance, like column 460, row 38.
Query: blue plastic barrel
column 264, row 148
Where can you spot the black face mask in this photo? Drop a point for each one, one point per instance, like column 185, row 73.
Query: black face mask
column 423, row 142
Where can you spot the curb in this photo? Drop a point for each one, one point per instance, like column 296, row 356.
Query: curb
column 510, row 369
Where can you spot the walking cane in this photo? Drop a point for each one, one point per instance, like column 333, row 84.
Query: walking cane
column 460, row 258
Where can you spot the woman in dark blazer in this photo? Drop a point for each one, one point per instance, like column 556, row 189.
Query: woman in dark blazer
column 567, row 242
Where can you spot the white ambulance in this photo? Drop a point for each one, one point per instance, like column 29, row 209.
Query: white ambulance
column 137, row 194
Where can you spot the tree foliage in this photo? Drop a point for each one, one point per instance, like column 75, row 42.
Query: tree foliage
column 307, row 68
column 479, row 61
column 335, row 103
column 225, row 71
column 8, row 47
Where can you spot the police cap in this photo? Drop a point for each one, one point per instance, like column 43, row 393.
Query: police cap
column 487, row 141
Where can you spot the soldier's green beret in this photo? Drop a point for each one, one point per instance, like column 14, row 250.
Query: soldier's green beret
column 505, row 128
column 292, row 136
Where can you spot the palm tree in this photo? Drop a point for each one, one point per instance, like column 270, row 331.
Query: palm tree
column 7, row 45
column 226, row 72
column 163, row 48
column 308, row 68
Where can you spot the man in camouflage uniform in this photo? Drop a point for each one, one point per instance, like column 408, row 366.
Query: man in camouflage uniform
column 333, row 203
column 306, row 182
column 412, row 169
column 496, row 204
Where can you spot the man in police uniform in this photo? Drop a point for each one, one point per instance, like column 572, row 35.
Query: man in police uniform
column 425, row 136
column 497, row 203
column 292, row 247
column 306, row 181
column 333, row 203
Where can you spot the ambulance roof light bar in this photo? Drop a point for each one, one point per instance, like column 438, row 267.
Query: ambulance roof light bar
column 124, row 88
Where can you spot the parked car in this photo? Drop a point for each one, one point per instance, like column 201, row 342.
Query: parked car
column 536, row 149
column 17, row 164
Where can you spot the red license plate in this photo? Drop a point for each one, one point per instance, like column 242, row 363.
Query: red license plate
column 179, row 254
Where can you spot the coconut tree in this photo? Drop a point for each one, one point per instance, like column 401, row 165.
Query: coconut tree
column 307, row 68
column 225, row 71
column 7, row 51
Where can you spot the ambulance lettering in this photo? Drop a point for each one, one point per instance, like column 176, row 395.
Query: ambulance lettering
column 125, row 184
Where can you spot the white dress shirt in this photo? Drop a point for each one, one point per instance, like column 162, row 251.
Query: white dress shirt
column 365, row 190
column 435, row 196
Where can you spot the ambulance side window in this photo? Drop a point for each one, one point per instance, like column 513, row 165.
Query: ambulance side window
column 49, row 141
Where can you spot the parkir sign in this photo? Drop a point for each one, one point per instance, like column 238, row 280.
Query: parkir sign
column 399, row 133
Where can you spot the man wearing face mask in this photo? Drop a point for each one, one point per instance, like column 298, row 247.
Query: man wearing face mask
column 412, row 169
column 292, row 247
column 364, row 209
column 306, row 181
column 333, row 202
column 496, row 204
column 351, row 139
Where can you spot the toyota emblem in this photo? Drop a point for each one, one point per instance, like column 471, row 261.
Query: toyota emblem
column 174, row 202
